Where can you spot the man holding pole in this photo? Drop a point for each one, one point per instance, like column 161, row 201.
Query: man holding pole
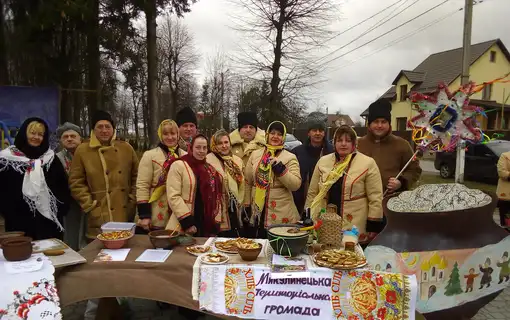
column 397, row 162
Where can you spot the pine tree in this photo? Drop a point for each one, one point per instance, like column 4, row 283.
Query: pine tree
column 453, row 286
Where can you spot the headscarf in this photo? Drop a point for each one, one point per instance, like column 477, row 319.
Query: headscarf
column 339, row 168
column 264, row 174
column 211, row 189
column 171, row 154
column 232, row 170
column 31, row 162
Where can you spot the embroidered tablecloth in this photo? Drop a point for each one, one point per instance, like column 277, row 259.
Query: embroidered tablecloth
column 29, row 295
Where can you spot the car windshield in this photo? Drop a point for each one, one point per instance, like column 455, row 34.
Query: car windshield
column 499, row 147
column 290, row 138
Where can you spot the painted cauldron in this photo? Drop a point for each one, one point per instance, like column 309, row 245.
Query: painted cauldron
column 445, row 235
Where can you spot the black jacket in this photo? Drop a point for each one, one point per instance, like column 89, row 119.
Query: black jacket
column 308, row 156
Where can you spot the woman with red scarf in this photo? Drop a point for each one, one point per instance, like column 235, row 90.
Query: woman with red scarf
column 194, row 192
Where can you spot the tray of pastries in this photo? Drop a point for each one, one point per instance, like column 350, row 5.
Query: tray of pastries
column 197, row 250
column 340, row 259
column 214, row 258
column 232, row 245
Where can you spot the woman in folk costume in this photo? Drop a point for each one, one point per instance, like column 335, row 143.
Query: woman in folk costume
column 230, row 168
column 34, row 191
column 351, row 181
column 153, row 210
column 272, row 174
column 194, row 192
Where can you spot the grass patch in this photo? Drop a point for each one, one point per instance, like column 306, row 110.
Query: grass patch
column 436, row 179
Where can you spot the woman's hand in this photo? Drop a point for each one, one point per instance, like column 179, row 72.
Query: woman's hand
column 191, row 230
column 144, row 223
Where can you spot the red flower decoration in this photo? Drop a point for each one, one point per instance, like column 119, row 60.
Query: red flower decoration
column 35, row 284
column 16, row 292
column 379, row 280
column 352, row 273
column 349, row 217
column 391, row 296
column 381, row 313
column 370, row 317
column 273, row 204
column 273, row 216
column 160, row 216
column 353, row 317
column 368, row 275
column 161, row 204
column 2, row 311
column 285, row 220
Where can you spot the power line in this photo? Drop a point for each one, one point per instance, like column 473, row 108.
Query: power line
column 382, row 35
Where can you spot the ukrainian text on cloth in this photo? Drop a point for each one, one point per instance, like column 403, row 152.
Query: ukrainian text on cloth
column 247, row 291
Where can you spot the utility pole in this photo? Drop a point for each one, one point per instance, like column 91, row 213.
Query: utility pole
column 464, row 79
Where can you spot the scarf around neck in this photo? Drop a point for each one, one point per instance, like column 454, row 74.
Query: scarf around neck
column 36, row 192
column 264, row 176
column 171, row 154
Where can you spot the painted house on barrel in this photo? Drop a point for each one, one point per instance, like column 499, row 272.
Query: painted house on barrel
column 489, row 60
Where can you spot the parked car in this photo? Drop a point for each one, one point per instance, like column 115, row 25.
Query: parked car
column 480, row 164
column 291, row 142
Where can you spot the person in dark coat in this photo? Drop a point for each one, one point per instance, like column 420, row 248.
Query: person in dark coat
column 34, row 191
column 309, row 153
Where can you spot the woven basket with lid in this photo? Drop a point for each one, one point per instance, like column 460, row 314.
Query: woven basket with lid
column 329, row 233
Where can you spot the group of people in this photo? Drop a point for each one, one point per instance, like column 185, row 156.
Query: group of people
column 231, row 184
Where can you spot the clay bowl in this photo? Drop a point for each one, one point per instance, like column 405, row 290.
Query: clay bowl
column 249, row 254
column 17, row 248
column 164, row 239
column 8, row 235
column 115, row 244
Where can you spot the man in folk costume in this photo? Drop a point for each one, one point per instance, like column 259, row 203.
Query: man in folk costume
column 391, row 153
column 69, row 135
column 103, row 176
column 186, row 120
column 248, row 137
column 309, row 153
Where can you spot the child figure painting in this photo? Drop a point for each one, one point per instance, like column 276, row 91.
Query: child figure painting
column 470, row 279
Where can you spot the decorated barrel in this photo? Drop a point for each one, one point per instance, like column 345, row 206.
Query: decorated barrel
column 446, row 236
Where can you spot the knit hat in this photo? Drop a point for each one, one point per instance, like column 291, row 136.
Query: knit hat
column 66, row 127
column 186, row 115
column 379, row 109
column 316, row 120
column 247, row 118
column 102, row 115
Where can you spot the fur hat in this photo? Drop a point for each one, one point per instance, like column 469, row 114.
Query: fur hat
column 316, row 120
column 102, row 115
column 247, row 118
column 186, row 115
column 66, row 127
column 379, row 109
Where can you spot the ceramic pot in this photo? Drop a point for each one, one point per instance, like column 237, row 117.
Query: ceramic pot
column 287, row 245
column 17, row 248
column 460, row 258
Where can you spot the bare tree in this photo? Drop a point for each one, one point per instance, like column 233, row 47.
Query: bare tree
column 219, row 85
column 179, row 56
column 282, row 35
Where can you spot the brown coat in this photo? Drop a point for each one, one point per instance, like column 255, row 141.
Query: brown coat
column 503, row 189
column 218, row 165
column 362, row 191
column 102, row 180
column 148, row 174
column 242, row 149
column 391, row 154
column 280, row 207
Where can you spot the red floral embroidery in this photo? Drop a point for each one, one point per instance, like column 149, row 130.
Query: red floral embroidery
column 273, row 216
column 503, row 194
column 353, row 273
column 381, row 313
column 161, row 204
column 379, row 280
column 160, row 216
column 367, row 275
column 370, row 317
column 391, row 296
column 353, row 317
column 2, row 311
column 273, row 204
column 349, row 217
column 35, row 284
column 362, row 237
column 235, row 270
column 16, row 292
column 285, row 220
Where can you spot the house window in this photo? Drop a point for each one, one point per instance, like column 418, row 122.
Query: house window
column 487, row 92
column 441, row 275
column 433, row 272
column 401, row 124
column 493, row 56
column 403, row 92
column 424, row 276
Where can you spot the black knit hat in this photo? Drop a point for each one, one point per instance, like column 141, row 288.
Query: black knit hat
column 185, row 115
column 247, row 118
column 102, row 115
column 379, row 109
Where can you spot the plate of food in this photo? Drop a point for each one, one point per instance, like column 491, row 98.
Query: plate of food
column 214, row 258
column 198, row 250
column 340, row 259
column 231, row 246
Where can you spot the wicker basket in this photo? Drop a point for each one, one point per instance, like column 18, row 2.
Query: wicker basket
column 329, row 233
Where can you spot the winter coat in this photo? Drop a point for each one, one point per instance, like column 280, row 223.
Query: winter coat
column 362, row 191
column 280, row 207
column 308, row 156
column 149, row 171
column 103, row 181
column 503, row 189
column 242, row 149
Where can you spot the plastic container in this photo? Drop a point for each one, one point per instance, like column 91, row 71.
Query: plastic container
column 118, row 226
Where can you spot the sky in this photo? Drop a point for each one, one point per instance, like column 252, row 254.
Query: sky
column 356, row 79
